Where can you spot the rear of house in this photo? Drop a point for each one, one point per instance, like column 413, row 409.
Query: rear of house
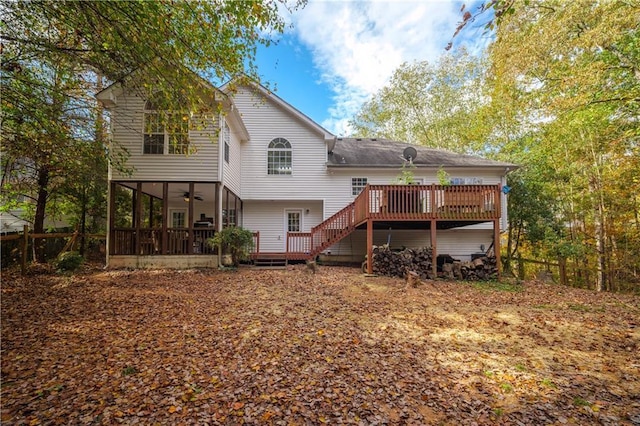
column 264, row 165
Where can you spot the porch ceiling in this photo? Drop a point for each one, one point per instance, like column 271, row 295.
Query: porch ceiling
column 177, row 190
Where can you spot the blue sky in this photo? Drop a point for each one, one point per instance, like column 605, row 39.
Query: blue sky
column 337, row 53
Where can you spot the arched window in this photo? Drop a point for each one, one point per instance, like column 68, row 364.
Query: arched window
column 279, row 157
column 165, row 131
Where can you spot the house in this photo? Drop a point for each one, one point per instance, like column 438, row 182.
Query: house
column 262, row 164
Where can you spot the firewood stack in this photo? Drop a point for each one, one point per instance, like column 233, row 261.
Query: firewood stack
column 400, row 263
column 397, row 263
column 481, row 268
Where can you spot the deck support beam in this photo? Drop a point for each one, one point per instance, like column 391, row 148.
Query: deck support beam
column 165, row 218
column 496, row 245
column 434, row 251
column 369, row 246
column 137, row 217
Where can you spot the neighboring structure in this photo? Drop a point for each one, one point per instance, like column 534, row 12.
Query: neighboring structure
column 264, row 165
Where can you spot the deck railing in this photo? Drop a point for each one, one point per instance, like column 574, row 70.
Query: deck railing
column 473, row 203
column 419, row 202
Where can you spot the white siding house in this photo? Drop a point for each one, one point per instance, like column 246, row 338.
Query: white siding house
column 304, row 192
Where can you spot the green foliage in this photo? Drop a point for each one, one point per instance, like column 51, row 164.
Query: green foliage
column 565, row 105
column 69, row 261
column 429, row 104
column 581, row 402
column 235, row 241
column 443, row 177
column 406, row 176
column 129, row 370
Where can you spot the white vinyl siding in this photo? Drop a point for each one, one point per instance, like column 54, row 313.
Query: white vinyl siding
column 127, row 126
column 265, row 122
column 269, row 218
column 232, row 171
column 459, row 243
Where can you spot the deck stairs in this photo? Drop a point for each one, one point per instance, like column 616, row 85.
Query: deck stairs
column 270, row 260
column 332, row 230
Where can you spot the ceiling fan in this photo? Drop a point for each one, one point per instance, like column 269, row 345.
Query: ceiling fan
column 186, row 197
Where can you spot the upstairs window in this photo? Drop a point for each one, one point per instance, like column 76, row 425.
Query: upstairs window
column 357, row 185
column 227, row 141
column 279, row 157
column 165, row 132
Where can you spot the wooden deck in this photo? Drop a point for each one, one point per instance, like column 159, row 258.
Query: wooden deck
column 415, row 206
column 435, row 205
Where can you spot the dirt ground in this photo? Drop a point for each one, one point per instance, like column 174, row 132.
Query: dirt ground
column 288, row 347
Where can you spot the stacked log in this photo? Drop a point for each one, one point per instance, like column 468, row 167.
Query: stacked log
column 420, row 261
column 399, row 263
column 481, row 268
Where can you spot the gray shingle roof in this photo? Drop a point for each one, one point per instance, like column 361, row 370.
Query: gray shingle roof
column 357, row 152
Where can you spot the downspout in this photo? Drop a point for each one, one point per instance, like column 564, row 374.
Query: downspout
column 221, row 130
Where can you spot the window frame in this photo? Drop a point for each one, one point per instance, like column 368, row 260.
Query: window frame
column 227, row 142
column 357, row 185
column 181, row 211
column 170, row 126
column 279, row 158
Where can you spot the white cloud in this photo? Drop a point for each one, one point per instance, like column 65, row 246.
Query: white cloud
column 356, row 45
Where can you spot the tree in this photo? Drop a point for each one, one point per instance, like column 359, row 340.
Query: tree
column 170, row 41
column 433, row 105
column 55, row 55
column 570, row 70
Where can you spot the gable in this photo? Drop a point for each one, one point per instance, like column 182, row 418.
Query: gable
column 262, row 94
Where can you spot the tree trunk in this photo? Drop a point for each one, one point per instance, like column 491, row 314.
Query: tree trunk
column 38, row 221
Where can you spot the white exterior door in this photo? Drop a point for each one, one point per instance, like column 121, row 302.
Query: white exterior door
column 292, row 222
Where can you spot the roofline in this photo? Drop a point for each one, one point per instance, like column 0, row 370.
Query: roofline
column 507, row 167
column 108, row 98
column 328, row 136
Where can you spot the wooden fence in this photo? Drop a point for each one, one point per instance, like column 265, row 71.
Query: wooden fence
column 25, row 236
column 561, row 266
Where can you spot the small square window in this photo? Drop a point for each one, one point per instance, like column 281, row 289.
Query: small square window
column 357, row 185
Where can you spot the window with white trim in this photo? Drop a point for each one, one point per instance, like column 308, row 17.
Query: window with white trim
column 279, row 157
column 165, row 132
column 465, row 181
column 178, row 218
column 294, row 221
column 357, row 185
column 227, row 141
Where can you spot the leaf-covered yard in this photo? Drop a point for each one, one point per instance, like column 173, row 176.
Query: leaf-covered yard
column 289, row 347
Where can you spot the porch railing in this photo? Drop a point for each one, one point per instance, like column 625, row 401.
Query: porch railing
column 146, row 242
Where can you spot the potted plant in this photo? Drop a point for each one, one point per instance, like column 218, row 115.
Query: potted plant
column 234, row 241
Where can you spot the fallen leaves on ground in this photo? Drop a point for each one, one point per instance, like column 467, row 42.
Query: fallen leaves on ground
column 292, row 348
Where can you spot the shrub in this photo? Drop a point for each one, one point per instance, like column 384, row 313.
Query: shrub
column 235, row 241
column 69, row 261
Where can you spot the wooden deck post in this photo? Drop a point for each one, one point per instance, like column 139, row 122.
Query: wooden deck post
column 496, row 245
column 165, row 218
column 189, row 223
column 369, row 246
column 138, row 217
column 434, row 250
column 111, row 220
column 25, row 249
